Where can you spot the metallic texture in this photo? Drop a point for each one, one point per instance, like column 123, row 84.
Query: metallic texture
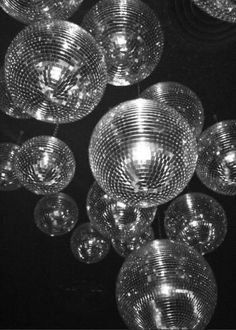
column 222, row 9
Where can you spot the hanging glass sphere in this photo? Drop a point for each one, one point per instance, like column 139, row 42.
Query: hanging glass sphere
column 198, row 220
column 216, row 167
column 88, row 245
column 56, row 214
column 221, row 9
column 55, row 71
column 29, row 11
column 116, row 219
column 142, row 153
column 44, row 165
column 131, row 36
column 182, row 99
column 125, row 247
column 8, row 179
column 166, row 285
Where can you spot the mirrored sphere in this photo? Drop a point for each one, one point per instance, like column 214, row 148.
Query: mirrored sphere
column 116, row 219
column 88, row 245
column 55, row 71
column 56, row 214
column 131, row 36
column 125, row 247
column 216, row 167
column 182, row 99
column 44, row 165
column 142, row 153
column 8, row 179
column 198, row 220
column 221, row 9
column 29, row 11
column 166, row 285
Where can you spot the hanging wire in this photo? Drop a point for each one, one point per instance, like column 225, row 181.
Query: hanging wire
column 138, row 90
column 19, row 139
column 55, row 132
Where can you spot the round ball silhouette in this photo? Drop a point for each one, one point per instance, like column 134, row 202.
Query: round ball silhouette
column 224, row 9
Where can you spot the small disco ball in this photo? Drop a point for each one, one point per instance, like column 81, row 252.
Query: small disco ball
column 27, row 11
column 125, row 247
column 56, row 214
column 216, row 167
column 166, row 285
column 142, row 153
column 116, row 219
column 198, row 220
column 182, row 99
column 131, row 36
column 221, row 9
column 8, row 179
column 55, row 71
column 88, row 245
column 44, row 165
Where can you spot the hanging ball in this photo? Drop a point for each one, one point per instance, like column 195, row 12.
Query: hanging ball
column 166, row 285
column 216, row 167
column 131, row 36
column 44, row 165
column 88, row 245
column 55, row 71
column 222, row 9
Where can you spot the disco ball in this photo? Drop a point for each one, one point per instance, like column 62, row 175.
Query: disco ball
column 56, row 214
column 88, row 245
column 166, row 285
column 131, row 36
column 182, row 99
column 28, row 11
column 44, row 165
column 125, row 247
column 8, row 179
column 216, row 166
column 198, row 220
column 221, row 9
column 142, row 153
column 116, row 219
column 55, row 71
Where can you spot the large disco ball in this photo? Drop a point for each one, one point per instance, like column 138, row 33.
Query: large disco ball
column 221, row 9
column 116, row 219
column 56, row 214
column 216, row 167
column 182, row 99
column 55, row 71
column 44, row 165
column 166, row 285
column 88, row 245
column 142, row 153
column 29, row 11
column 131, row 36
column 8, row 179
column 198, row 220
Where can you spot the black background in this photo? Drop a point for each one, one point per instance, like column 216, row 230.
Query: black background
column 42, row 285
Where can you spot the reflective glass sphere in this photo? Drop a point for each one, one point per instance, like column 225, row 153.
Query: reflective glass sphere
column 116, row 219
column 8, row 179
column 221, row 9
column 55, row 71
column 29, row 11
column 56, row 214
column 166, row 285
column 44, row 165
column 182, row 99
column 131, row 36
column 198, row 220
column 216, row 166
column 125, row 247
column 142, row 153
column 88, row 245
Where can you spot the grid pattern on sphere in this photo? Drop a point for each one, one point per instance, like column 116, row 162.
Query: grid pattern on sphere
column 221, row 9
column 131, row 36
column 55, row 71
column 166, row 285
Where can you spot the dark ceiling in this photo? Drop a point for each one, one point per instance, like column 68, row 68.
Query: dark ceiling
column 41, row 284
